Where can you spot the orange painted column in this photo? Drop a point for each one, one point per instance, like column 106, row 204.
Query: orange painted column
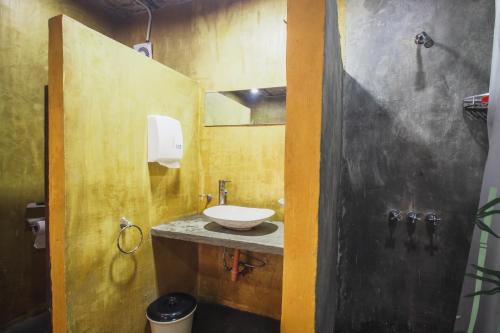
column 302, row 162
column 56, row 185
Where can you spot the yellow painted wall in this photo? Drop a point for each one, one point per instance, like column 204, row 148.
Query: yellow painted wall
column 302, row 163
column 341, row 20
column 223, row 44
column 270, row 111
column 222, row 110
column 251, row 157
column 23, row 75
column 229, row 45
column 108, row 91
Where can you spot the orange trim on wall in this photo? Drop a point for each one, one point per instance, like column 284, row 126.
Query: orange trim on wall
column 302, row 166
column 56, row 191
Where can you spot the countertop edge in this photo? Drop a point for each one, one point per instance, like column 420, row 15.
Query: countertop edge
column 223, row 242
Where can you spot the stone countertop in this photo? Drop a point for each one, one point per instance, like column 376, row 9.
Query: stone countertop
column 265, row 238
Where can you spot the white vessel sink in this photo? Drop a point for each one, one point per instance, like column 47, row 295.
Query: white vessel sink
column 236, row 217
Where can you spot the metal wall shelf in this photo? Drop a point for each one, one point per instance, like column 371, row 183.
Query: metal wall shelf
column 476, row 106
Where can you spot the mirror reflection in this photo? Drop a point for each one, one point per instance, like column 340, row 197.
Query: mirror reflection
column 257, row 106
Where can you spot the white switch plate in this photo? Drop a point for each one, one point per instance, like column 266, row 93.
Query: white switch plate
column 145, row 48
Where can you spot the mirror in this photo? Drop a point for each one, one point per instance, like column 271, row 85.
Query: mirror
column 263, row 106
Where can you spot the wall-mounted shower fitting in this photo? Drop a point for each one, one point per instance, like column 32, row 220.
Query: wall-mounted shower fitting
column 432, row 221
column 394, row 219
column 411, row 223
column 424, row 39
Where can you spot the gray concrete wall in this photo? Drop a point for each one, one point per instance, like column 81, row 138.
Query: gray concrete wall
column 331, row 158
column 407, row 145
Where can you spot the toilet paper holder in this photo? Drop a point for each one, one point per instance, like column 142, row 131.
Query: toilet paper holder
column 124, row 225
column 35, row 222
column 37, row 227
column 32, row 222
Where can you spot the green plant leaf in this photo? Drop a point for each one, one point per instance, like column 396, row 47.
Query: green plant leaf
column 485, row 292
column 487, row 271
column 483, row 226
column 489, row 205
column 482, row 278
column 493, row 276
column 488, row 213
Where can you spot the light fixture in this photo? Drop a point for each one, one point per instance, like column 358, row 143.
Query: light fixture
column 254, row 91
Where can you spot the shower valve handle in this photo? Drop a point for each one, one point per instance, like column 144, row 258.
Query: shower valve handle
column 412, row 218
column 424, row 39
column 394, row 216
column 432, row 220
column 394, row 219
column 411, row 223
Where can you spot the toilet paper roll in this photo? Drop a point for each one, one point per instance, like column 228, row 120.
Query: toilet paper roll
column 39, row 231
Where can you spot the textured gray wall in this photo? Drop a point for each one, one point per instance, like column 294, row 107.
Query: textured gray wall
column 407, row 145
column 331, row 158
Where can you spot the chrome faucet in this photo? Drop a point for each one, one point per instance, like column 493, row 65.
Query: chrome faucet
column 424, row 39
column 223, row 191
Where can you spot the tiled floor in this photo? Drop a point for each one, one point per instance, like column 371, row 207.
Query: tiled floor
column 212, row 318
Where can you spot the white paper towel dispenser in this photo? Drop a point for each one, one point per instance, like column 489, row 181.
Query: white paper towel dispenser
column 165, row 142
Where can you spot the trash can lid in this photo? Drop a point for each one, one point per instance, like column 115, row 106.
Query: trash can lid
column 171, row 307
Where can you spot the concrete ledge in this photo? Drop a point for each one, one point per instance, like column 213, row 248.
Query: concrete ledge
column 265, row 238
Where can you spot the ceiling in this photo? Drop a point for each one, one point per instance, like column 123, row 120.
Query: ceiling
column 124, row 8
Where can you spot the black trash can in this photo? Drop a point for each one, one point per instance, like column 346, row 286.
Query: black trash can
column 172, row 313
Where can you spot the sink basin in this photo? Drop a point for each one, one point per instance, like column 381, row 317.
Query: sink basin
column 236, row 217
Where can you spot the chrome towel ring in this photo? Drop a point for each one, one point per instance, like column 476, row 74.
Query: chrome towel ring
column 124, row 225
